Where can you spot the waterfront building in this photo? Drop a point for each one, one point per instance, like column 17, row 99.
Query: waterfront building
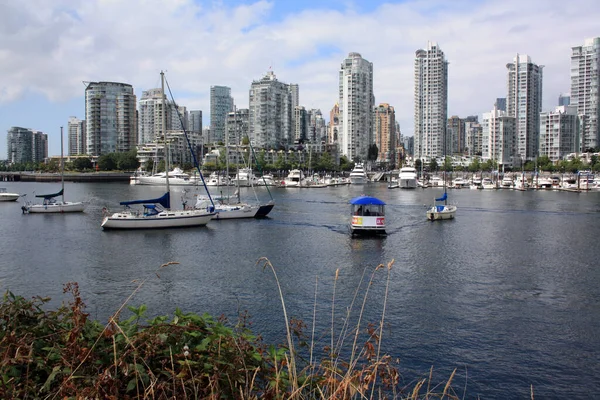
column 237, row 126
column 334, row 125
column 431, row 102
column 300, row 124
column 270, row 113
column 316, row 128
column 76, row 136
column 179, row 117
column 498, row 133
column 585, row 89
column 110, row 118
column 150, row 120
column 564, row 99
column 195, row 121
column 559, row 132
column 356, row 103
column 295, row 99
column 524, row 102
column 221, row 104
column 501, row 103
column 26, row 145
column 385, row 134
column 455, row 133
column 474, row 138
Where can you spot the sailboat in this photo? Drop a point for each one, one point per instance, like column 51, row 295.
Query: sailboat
column 50, row 204
column 441, row 211
column 157, row 213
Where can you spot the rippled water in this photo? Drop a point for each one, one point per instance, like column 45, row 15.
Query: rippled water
column 508, row 292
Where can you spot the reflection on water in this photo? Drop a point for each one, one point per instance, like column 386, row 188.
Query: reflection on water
column 507, row 292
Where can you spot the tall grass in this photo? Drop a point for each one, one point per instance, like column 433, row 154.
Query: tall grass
column 63, row 354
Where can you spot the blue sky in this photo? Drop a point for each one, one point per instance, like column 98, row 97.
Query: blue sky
column 48, row 48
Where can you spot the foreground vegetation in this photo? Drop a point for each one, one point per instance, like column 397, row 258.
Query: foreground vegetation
column 63, row 353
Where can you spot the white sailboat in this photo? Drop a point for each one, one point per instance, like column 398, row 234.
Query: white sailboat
column 441, row 211
column 157, row 213
column 50, row 204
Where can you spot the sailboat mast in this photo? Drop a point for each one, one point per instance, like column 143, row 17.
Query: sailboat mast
column 62, row 165
column 164, row 128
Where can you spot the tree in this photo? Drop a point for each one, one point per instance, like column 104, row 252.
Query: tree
column 418, row 164
column 345, row 164
column 433, row 165
column 127, row 161
column 106, row 162
column 373, row 152
column 448, row 163
column 245, row 141
column 81, row 164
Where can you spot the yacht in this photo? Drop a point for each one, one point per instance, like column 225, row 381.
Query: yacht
column 245, row 178
column 215, row 179
column 266, row 180
column 488, row 183
column 460, row 183
column 507, row 182
column 295, row 178
column 176, row 178
column 407, row 178
column 358, row 175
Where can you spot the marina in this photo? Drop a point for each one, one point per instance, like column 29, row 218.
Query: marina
column 506, row 293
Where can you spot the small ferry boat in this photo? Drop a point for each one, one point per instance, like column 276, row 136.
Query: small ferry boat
column 368, row 216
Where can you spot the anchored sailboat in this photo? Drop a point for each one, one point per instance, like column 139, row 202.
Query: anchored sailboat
column 50, row 204
column 157, row 213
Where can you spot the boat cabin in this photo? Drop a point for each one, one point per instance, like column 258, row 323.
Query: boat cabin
column 367, row 215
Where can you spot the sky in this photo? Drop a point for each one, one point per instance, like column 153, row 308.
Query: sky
column 48, row 49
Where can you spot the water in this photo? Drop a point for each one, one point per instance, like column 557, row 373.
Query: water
column 507, row 292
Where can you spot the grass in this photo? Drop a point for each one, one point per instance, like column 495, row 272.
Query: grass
column 63, row 354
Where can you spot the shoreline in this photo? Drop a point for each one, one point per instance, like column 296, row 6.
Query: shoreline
column 68, row 177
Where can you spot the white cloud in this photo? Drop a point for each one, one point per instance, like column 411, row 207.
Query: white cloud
column 50, row 47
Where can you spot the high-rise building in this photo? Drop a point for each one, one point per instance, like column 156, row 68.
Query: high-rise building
column 455, row 133
column 237, row 126
column 270, row 113
column 431, row 102
column 564, row 99
column 473, row 134
column 585, row 89
column 316, row 130
column 195, row 121
column 500, row 103
column 356, row 103
column 179, row 117
column 300, row 122
column 26, row 145
column 385, row 133
column 334, row 125
column 76, row 136
column 295, row 93
column 110, row 118
column 498, row 133
column 524, row 102
column 221, row 104
column 559, row 132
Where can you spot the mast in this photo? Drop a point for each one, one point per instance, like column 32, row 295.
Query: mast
column 62, row 166
column 164, row 128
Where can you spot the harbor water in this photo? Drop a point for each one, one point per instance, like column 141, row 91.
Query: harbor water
column 508, row 293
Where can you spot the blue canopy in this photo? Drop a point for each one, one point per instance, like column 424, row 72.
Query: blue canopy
column 443, row 198
column 164, row 201
column 50, row 196
column 366, row 200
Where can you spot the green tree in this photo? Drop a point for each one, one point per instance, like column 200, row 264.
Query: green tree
column 107, row 162
column 245, row 141
column 433, row 165
column 81, row 164
column 448, row 163
column 345, row 164
column 373, row 152
column 127, row 161
column 326, row 162
column 418, row 164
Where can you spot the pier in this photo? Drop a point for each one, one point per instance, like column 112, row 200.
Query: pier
column 6, row 176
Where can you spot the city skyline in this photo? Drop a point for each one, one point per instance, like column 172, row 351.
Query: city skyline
column 49, row 49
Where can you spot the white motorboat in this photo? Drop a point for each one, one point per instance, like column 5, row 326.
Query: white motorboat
column 358, row 176
column 460, row 183
column 176, row 178
column 6, row 196
column 436, row 181
column 507, row 182
column 295, row 178
column 266, row 180
column 488, row 184
column 245, row 178
column 216, row 179
column 407, row 178
column 50, row 204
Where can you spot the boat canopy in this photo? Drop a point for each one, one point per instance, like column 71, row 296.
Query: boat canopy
column 443, row 198
column 366, row 200
column 164, row 201
column 50, row 196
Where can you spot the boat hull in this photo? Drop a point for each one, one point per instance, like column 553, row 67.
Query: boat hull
column 166, row 219
column 264, row 210
column 9, row 196
column 438, row 213
column 365, row 225
column 358, row 180
column 236, row 211
column 408, row 183
column 150, row 180
column 58, row 207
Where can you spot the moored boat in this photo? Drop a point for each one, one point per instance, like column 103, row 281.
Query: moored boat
column 6, row 196
column 358, row 176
